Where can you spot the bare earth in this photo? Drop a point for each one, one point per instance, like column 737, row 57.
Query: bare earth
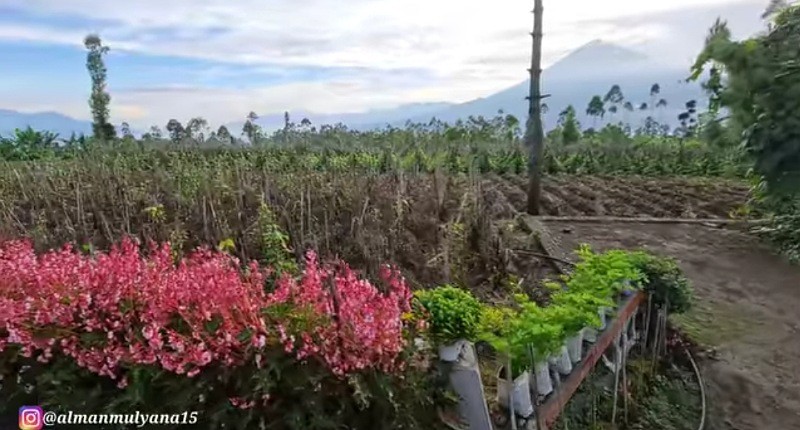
column 747, row 310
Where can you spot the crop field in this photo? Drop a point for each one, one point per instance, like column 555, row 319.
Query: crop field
column 626, row 196
column 443, row 213
column 323, row 278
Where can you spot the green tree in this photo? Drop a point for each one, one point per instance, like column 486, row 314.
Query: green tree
column 176, row 131
column 628, row 108
column 195, row 129
column 125, row 129
column 596, row 109
column 224, row 135
column 655, row 91
column 761, row 90
column 570, row 128
column 155, row 132
column 99, row 99
column 774, row 7
column 251, row 129
column 614, row 97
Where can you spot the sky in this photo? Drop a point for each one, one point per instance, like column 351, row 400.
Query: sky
column 221, row 59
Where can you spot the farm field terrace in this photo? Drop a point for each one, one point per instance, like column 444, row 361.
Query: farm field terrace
column 439, row 226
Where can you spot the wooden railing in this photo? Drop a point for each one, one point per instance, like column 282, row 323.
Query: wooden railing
column 551, row 409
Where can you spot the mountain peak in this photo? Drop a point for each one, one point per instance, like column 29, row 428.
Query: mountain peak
column 601, row 57
column 601, row 51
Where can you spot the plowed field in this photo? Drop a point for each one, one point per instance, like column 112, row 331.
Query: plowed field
column 623, row 197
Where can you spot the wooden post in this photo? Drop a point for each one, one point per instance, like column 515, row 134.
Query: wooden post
column 534, row 132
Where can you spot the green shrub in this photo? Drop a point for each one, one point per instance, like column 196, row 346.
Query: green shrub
column 665, row 281
column 527, row 332
column 605, row 274
column 575, row 310
column 454, row 313
column 274, row 242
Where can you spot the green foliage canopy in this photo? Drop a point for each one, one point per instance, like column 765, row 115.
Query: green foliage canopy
column 761, row 89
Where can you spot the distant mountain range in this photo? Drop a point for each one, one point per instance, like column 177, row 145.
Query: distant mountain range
column 51, row 121
column 590, row 70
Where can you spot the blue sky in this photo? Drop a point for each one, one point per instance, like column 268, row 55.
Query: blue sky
column 223, row 58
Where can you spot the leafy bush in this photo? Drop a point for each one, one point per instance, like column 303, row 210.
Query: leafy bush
column 605, row 274
column 121, row 331
column 538, row 328
column 453, row 313
column 576, row 310
column 525, row 333
column 274, row 242
column 665, row 281
column 782, row 210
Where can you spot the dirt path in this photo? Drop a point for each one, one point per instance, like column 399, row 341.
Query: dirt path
column 747, row 309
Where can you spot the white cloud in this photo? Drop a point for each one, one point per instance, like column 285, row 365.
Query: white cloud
column 466, row 48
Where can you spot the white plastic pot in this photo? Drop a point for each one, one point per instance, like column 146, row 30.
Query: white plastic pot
column 575, row 347
column 589, row 334
column 520, row 393
column 603, row 313
column 544, row 384
column 561, row 361
column 453, row 351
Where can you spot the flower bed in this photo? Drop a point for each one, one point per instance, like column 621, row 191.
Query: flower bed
column 202, row 334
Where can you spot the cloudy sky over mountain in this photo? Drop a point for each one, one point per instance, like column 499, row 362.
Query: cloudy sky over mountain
column 222, row 58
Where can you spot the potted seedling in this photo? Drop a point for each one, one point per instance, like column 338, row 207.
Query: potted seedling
column 453, row 317
column 609, row 275
column 665, row 281
column 574, row 311
column 500, row 329
column 544, row 337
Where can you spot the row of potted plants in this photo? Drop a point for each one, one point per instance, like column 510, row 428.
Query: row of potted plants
column 534, row 338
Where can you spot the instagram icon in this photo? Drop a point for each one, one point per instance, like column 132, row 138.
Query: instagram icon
column 30, row 418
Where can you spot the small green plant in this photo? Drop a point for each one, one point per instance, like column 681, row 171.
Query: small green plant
column 155, row 213
column 227, row 245
column 575, row 310
column 522, row 333
column 665, row 281
column 500, row 327
column 274, row 242
column 538, row 329
column 454, row 313
column 605, row 274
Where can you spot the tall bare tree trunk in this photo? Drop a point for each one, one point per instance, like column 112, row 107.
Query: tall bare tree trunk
column 534, row 133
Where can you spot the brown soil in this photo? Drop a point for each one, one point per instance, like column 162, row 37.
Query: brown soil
column 746, row 313
column 628, row 196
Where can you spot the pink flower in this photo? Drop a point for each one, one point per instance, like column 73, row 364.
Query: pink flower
column 119, row 309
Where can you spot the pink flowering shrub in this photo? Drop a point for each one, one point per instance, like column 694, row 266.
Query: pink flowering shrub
column 130, row 318
column 365, row 326
column 121, row 308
